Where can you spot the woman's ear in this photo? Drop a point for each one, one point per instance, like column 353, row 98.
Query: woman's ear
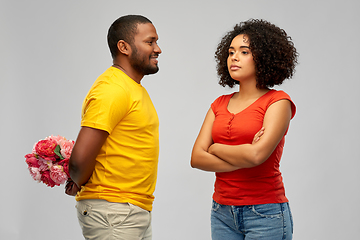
column 124, row 47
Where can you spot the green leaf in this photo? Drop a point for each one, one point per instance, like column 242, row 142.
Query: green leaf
column 57, row 152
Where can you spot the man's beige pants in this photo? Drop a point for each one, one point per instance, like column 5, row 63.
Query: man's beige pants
column 103, row 220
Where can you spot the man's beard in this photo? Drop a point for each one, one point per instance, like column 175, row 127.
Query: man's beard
column 138, row 63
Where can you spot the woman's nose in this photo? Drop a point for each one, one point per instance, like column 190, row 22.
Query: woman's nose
column 234, row 57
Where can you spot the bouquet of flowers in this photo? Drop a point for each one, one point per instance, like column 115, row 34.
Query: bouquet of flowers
column 49, row 160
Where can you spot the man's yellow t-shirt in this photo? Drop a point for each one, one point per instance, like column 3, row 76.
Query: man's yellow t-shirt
column 126, row 167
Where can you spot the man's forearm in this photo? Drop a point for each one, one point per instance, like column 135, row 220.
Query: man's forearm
column 79, row 176
column 83, row 157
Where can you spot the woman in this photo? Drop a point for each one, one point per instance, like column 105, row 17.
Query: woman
column 242, row 136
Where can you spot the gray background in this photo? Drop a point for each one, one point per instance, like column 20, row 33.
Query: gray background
column 52, row 51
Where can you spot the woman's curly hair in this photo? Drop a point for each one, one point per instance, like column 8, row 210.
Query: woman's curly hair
column 273, row 51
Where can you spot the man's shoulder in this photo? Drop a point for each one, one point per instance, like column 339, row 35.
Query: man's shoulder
column 113, row 77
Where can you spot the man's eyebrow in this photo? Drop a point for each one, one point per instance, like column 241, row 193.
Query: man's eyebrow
column 153, row 38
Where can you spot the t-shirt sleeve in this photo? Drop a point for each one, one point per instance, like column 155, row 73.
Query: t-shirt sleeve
column 104, row 107
column 219, row 102
column 214, row 105
column 280, row 95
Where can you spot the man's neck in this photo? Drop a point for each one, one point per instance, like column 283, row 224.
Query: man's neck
column 129, row 71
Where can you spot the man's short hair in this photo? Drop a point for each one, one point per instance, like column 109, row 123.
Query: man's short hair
column 124, row 28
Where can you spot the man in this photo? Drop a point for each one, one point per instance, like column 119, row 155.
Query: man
column 115, row 157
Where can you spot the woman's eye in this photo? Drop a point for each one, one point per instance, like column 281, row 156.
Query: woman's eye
column 244, row 52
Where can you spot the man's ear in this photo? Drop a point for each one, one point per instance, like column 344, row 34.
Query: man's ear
column 124, row 47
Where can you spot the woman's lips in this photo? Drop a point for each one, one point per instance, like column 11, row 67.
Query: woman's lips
column 234, row 67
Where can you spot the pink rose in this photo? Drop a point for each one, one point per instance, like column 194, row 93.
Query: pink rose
column 45, row 178
column 44, row 165
column 66, row 148
column 31, row 160
column 51, row 159
column 57, row 138
column 57, row 174
column 45, row 148
column 33, row 149
column 35, row 173
column 65, row 164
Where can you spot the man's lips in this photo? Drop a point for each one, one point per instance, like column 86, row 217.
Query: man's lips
column 154, row 58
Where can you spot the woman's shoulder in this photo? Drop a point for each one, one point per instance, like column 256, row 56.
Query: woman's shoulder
column 220, row 101
column 224, row 97
column 276, row 95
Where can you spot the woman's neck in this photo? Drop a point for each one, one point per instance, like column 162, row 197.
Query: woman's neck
column 250, row 91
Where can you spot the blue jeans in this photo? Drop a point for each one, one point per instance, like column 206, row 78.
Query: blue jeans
column 260, row 222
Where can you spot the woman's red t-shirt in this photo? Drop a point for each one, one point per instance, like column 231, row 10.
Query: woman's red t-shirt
column 249, row 186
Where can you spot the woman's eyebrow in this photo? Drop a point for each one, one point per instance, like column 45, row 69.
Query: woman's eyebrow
column 231, row 47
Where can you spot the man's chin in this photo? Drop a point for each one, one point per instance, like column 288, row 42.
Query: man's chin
column 150, row 71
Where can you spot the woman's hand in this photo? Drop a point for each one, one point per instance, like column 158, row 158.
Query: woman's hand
column 258, row 135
